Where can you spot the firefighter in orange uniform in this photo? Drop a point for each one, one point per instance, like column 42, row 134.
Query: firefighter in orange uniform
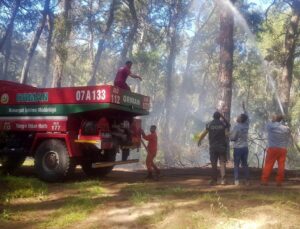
column 278, row 140
column 151, row 151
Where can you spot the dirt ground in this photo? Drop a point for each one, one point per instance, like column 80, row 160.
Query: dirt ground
column 182, row 198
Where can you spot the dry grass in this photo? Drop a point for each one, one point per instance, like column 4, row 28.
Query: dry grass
column 174, row 202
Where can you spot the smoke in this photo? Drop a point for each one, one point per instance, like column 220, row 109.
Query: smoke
column 194, row 90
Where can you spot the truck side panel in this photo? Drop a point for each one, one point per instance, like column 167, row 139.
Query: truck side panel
column 33, row 123
column 68, row 138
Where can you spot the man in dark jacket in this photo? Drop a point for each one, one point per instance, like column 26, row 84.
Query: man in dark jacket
column 216, row 130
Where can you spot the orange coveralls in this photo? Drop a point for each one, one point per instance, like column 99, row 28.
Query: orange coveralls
column 152, row 150
column 278, row 139
column 274, row 154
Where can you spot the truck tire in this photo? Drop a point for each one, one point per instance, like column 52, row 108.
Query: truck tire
column 86, row 165
column 10, row 163
column 13, row 151
column 52, row 161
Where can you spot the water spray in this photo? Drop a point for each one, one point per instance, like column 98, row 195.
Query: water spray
column 241, row 20
column 272, row 83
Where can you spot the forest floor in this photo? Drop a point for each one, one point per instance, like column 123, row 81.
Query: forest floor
column 182, row 198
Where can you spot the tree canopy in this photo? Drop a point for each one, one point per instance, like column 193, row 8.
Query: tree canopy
column 175, row 47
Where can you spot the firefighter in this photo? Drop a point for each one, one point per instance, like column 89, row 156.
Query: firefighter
column 151, row 152
column 278, row 139
column 216, row 130
column 122, row 74
column 239, row 135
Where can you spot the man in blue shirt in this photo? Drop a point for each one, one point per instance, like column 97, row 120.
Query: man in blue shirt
column 239, row 135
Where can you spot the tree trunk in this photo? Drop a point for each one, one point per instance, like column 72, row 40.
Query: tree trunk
column 5, row 43
column 169, row 76
column 291, row 37
column 101, row 43
column 7, row 52
column 226, row 61
column 91, row 31
column 49, row 48
column 226, row 64
column 1, row 66
column 172, row 43
column 168, row 152
column 10, row 25
column 144, row 25
column 62, row 35
column 130, row 39
column 34, row 43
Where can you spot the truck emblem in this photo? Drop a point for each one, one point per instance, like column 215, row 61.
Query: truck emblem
column 4, row 98
column 6, row 126
column 32, row 97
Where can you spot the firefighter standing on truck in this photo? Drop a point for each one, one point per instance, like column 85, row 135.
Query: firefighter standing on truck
column 151, row 152
column 122, row 75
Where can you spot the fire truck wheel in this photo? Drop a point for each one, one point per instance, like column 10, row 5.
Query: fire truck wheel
column 109, row 156
column 11, row 163
column 52, row 161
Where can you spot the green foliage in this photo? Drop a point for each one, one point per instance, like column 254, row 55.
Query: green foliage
column 263, row 196
column 194, row 81
column 138, row 197
column 90, row 188
column 19, row 187
column 89, row 195
column 157, row 216
column 144, row 193
column 147, row 67
column 295, row 112
column 14, row 188
column 272, row 39
column 75, row 209
column 61, row 35
column 84, row 198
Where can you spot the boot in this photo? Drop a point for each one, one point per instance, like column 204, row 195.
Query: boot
column 223, row 181
column 149, row 176
column 157, row 172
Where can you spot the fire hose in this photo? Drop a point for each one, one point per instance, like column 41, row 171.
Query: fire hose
column 143, row 143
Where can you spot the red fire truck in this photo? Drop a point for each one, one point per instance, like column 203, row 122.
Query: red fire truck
column 65, row 127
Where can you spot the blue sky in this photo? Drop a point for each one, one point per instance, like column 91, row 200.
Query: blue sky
column 262, row 3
